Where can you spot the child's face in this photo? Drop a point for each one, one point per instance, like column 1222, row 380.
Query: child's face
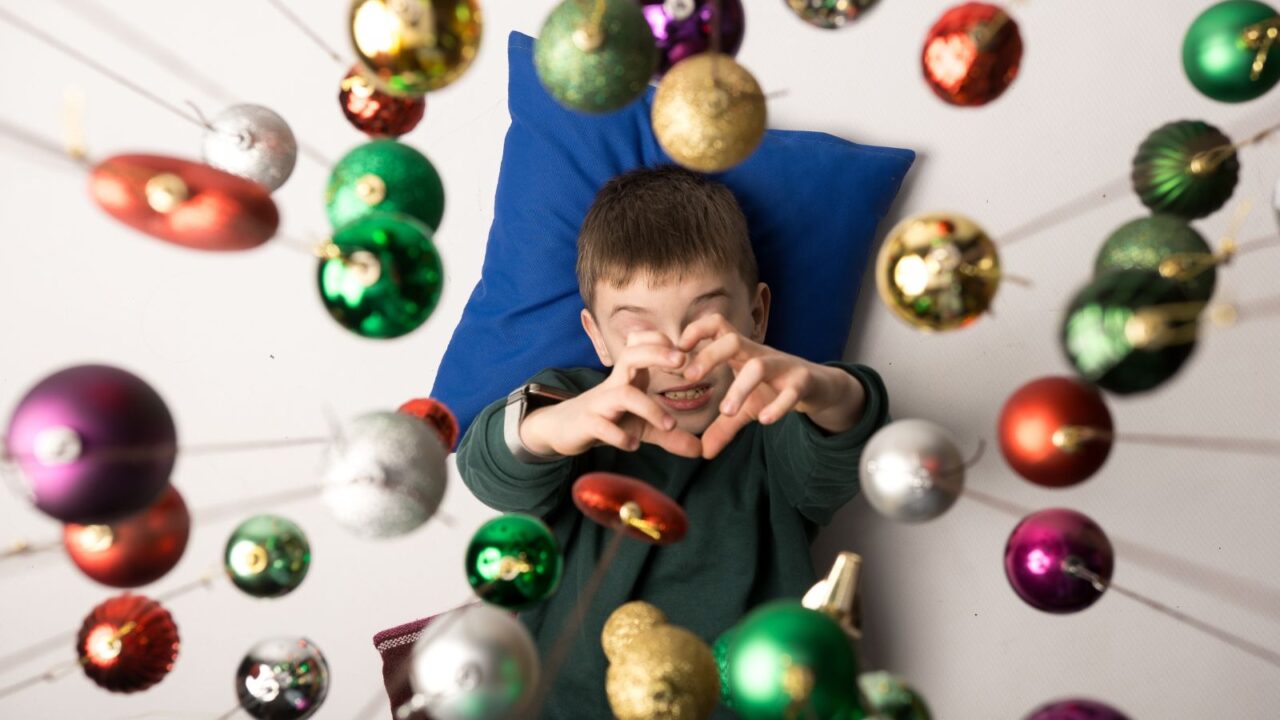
column 666, row 305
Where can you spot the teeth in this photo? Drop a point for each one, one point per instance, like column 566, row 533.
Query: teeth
column 686, row 394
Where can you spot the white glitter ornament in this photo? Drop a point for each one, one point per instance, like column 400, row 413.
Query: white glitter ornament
column 253, row 142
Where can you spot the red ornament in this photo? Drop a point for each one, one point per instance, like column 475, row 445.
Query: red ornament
column 435, row 414
column 1055, row 431
column 135, row 551
column 374, row 112
column 971, row 54
column 128, row 643
column 185, row 203
column 630, row 506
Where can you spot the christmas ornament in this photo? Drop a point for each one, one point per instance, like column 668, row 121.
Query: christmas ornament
column 1058, row 561
column 94, row 443
column 829, row 14
column 1227, row 50
column 837, row 594
column 411, row 47
column 252, row 142
column 971, row 54
column 937, row 271
column 267, row 556
column 892, row 699
column 1128, row 331
column 1076, row 710
column 183, row 202
column 385, row 475
column 127, row 643
column 625, row 624
column 664, row 673
column 709, row 113
column 477, row 663
column 1186, row 168
column 514, row 561
column 135, row 551
column 912, row 471
column 437, row 415
column 282, row 679
column 381, row 277
column 384, row 176
column 1055, row 431
column 595, row 55
column 720, row 652
column 684, row 28
column 1164, row 244
column 630, row 506
column 374, row 112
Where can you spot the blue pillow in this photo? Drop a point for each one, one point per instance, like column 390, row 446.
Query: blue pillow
column 812, row 203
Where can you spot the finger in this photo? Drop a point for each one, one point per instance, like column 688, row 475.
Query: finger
column 610, row 434
column 643, row 357
column 648, row 337
column 781, row 405
column 721, row 350
column 676, row 442
column 721, row 432
column 753, row 372
column 711, row 326
column 645, row 407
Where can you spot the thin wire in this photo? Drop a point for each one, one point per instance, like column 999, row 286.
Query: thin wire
column 306, row 30
column 1259, row 446
column 36, row 649
column 118, row 454
column 40, row 144
column 1097, row 197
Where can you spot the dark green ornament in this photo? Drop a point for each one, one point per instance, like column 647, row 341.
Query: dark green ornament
column 720, row 651
column 385, row 278
column 891, row 699
column 514, row 561
column 1186, row 168
column 1224, row 43
column 1128, row 331
column 595, row 63
column 267, row 556
column 1162, row 240
column 384, row 176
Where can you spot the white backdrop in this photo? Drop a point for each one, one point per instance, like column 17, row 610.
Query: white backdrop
column 241, row 349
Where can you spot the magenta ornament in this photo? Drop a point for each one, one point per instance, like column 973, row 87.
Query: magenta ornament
column 1076, row 710
column 1058, row 560
column 682, row 28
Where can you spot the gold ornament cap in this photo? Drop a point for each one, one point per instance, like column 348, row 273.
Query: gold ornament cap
column 837, row 594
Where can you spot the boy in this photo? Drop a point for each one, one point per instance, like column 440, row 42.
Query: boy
column 759, row 447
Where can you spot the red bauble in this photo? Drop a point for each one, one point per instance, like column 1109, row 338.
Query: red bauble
column 128, row 643
column 135, row 551
column 971, row 54
column 630, row 506
column 374, row 112
column 1055, row 431
column 437, row 415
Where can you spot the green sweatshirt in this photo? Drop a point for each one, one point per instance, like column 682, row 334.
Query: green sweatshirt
column 752, row 511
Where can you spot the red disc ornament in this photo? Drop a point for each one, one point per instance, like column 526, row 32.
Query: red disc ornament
column 630, row 506
column 374, row 112
column 135, row 551
column 437, row 415
column 1055, row 431
column 971, row 54
column 128, row 643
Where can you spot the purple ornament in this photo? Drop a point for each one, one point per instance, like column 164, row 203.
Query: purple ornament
column 683, row 28
column 1058, row 560
column 1076, row 710
column 95, row 444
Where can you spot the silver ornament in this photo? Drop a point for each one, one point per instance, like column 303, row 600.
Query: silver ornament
column 253, row 142
column 1275, row 200
column 282, row 679
column 912, row 471
column 385, row 475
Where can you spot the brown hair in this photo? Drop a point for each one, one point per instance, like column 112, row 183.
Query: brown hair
column 662, row 221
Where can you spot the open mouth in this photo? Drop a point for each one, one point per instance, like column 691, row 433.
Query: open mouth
column 689, row 397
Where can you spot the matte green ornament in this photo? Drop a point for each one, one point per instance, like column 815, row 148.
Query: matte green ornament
column 1186, row 168
column 383, row 276
column 514, row 561
column 1162, row 244
column 384, row 176
column 1128, row 331
column 1228, row 52
column 891, row 699
column 267, row 556
column 595, row 56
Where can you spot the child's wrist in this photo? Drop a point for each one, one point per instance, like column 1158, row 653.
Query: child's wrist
column 843, row 399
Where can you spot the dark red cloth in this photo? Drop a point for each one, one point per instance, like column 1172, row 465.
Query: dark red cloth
column 395, row 645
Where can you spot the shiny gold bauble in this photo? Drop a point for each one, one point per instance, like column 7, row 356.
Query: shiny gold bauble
column 938, row 271
column 709, row 113
column 411, row 47
column 665, row 673
column 626, row 623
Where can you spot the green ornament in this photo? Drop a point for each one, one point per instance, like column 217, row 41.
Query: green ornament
column 383, row 277
column 384, row 176
column 1228, row 50
column 892, row 699
column 1162, row 244
column 1186, row 168
column 1128, row 331
column 514, row 561
column 720, row 651
column 267, row 556
column 595, row 56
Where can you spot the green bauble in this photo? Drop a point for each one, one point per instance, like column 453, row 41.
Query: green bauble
column 1146, row 243
column 1128, row 331
column 595, row 70
column 387, row 277
column 514, row 561
column 720, row 651
column 1218, row 52
column 892, row 699
column 1171, row 175
column 384, row 176
column 267, row 556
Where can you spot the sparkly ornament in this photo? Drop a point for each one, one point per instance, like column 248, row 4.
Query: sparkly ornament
column 709, row 113
column 720, row 651
column 1055, row 431
column 630, row 506
column 1058, row 561
column 1076, row 710
column 135, row 551
column 971, row 54
column 383, row 277
column 1186, row 168
column 267, row 556
column 684, row 28
column 1128, row 331
column 127, row 643
column 891, row 699
column 829, row 14
column 384, row 176
column 665, row 673
column 411, row 47
column 514, row 561
column 282, row 679
column 374, row 112
column 595, row 56
column 476, row 663
column 938, row 271
column 1165, row 244
column 628, row 622
column 1227, row 50
column 912, row 471
column 385, row 475
column 437, row 415
column 252, row 142
column 94, row 443
column 837, row 594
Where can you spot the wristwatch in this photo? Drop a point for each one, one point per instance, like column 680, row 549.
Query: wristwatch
column 522, row 401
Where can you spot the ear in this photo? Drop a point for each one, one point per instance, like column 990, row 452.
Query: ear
column 597, row 337
column 760, row 312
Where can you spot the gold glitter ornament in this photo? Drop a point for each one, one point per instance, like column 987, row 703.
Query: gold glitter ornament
column 411, row 47
column 666, row 673
column 627, row 623
column 938, row 271
column 709, row 113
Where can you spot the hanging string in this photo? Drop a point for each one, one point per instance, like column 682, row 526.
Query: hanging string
column 48, row 147
column 61, row 670
column 306, row 30
column 153, row 452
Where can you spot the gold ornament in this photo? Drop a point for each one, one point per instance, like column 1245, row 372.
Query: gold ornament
column 665, row 673
column 410, row 47
column 627, row 623
column 709, row 113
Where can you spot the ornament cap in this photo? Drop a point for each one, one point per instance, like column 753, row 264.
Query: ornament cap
column 838, row 594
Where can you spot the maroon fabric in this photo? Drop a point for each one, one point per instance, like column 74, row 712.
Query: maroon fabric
column 395, row 645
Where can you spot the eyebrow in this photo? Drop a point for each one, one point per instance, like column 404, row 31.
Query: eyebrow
column 704, row 297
